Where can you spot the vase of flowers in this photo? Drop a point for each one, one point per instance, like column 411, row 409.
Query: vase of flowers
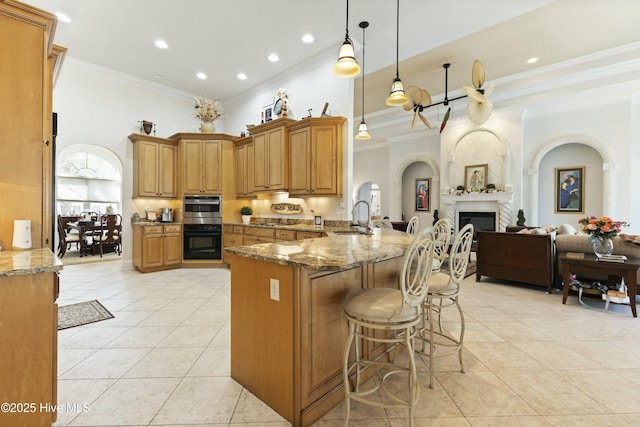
column 207, row 110
column 601, row 230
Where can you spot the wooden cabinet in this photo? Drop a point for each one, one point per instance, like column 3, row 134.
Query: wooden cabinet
column 232, row 235
column 244, row 168
column 315, row 157
column 28, row 61
column 255, row 235
column 157, row 247
column 154, row 166
column 301, row 235
column 202, row 166
column 270, row 152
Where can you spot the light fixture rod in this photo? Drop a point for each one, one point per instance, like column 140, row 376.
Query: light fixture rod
column 397, row 37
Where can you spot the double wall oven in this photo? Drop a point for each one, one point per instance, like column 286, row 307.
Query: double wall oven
column 202, row 227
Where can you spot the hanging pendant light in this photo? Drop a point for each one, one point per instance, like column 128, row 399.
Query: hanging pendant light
column 363, row 132
column 397, row 96
column 347, row 66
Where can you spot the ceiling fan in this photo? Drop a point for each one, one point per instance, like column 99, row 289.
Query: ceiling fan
column 479, row 107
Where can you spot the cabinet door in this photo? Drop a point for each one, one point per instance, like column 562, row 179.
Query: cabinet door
column 276, row 159
column 192, row 168
column 152, row 255
column 300, row 161
column 167, row 171
column 241, row 171
column 212, row 167
column 260, row 153
column 172, row 249
column 147, row 177
column 324, row 165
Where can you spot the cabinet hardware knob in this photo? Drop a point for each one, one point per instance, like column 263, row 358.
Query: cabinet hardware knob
column 46, row 142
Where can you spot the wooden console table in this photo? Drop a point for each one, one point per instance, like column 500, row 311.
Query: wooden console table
column 590, row 266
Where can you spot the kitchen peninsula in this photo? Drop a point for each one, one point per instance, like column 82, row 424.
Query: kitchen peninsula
column 287, row 325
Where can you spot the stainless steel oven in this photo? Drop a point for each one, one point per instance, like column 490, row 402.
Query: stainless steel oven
column 202, row 209
column 202, row 229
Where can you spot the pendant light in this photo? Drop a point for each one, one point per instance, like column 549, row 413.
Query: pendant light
column 346, row 66
column 397, row 96
column 363, row 132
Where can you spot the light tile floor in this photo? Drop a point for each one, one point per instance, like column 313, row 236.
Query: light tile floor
column 164, row 359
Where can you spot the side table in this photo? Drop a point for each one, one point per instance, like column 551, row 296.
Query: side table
column 590, row 265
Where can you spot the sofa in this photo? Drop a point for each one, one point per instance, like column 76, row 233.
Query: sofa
column 524, row 257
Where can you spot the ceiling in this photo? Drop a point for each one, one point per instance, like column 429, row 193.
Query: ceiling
column 224, row 38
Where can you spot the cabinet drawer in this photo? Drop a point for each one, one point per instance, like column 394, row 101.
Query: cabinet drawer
column 258, row 231
column 152, row 229
column 309, row 234
column 233, row 229
column 285, row 235
column 253, row 240
column 230, row 240
column 174, row 228
column 227, row 228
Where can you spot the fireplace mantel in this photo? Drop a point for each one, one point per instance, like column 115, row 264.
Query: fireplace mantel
column 499, row 202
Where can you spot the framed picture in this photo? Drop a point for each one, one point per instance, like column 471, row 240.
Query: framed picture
column 475, row 177
column 267, row 114
column 570, row 190
column 423, row 188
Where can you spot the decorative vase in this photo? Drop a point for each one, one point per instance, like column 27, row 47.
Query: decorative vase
column 246, row 219
column 602, row 246
column 207, row 127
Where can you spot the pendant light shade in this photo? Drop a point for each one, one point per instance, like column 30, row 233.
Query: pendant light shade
column 397, row 96
column 347, row 66
column 363, row 132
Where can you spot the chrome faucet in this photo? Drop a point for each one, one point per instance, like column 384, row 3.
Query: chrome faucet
column 355, row 222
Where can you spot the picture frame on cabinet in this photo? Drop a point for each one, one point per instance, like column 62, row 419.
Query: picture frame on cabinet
column 423, row 191
column 569, row 189
column 267, row 114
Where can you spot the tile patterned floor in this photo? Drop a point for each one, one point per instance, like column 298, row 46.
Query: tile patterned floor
column 164, row 359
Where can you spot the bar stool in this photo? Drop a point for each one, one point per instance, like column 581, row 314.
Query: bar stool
column 387, row 318
column 444, row 289
column 412, row 225
column 442, row 234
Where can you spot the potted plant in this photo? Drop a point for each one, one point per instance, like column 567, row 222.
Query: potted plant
column 246, row 213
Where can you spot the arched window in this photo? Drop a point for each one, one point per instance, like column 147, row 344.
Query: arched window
column 88, row 178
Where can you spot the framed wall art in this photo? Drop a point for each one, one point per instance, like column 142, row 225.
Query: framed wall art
column 475, row 177
column 423, row 200
column 569, row 189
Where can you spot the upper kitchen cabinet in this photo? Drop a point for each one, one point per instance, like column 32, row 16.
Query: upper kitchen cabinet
column 244, row 167
column 28, row 62
column 201, row 162
column 270, row 152
column 154, row 166
column 315, row 157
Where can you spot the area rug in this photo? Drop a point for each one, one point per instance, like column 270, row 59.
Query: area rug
column 81, row 313
column 471, row 268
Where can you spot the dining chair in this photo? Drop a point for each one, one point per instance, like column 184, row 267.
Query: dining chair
column 388, row 318
column 444, row 290
column 65, row 239
column 110, row 234
column 412, row 226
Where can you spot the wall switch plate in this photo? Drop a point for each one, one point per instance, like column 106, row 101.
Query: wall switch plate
column 274, row 285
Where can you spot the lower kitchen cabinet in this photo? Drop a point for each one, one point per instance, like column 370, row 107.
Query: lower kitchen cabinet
column 157, row 247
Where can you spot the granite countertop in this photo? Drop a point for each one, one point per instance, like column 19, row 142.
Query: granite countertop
column 283, row 226
column 31, row 261
column 332, row 253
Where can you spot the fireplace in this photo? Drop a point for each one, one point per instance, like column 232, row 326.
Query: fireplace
column 482, row 221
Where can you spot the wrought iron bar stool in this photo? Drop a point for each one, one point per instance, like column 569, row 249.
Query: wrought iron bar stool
column 442, row 234
column 381, row 321
column 412, row 225
column 444, row 290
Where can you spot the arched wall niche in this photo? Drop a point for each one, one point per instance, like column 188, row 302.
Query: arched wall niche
column 608, row 171
column 478, row 146
column 396, row 209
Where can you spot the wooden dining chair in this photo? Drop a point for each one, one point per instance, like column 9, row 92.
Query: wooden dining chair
column 110, row 235
column 65, row 240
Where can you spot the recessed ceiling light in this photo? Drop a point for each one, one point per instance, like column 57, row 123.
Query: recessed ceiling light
column 532, row 60
column 201, row 76
column 273, row 58
column 161, row 44
column 62, row 17
column 307, row 38
column 242, row 76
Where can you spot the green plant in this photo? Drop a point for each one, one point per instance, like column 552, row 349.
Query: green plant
column 460, row 187
column 521, row 218
column 435, row 217
column 246, row 210
column 491, row 186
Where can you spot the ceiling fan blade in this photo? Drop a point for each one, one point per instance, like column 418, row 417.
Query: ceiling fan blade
column 477, row 74
column 446, row 119
column 479, row 112
column 408, row 106
column 425, row 98
column 413, row 92
column 473, row 94
column 489, row 89
column 413, row 121
column 425, row 121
